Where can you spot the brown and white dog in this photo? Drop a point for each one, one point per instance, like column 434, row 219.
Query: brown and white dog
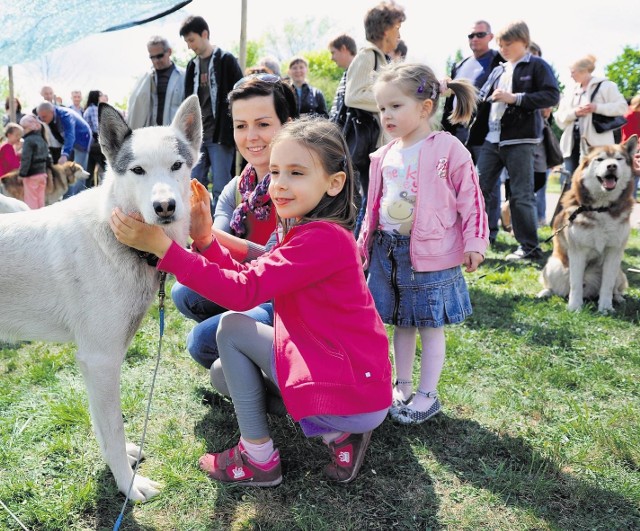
column 595, row 214
column 59, row 178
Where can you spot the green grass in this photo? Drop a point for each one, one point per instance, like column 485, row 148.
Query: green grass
column 540, row 431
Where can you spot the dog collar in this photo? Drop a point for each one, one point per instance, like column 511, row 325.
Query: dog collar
column 582, row 209
column 150, row 258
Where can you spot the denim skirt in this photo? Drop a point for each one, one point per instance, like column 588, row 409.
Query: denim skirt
column 409, row 298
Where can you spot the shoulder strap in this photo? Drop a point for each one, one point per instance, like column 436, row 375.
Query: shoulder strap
column 593, row 94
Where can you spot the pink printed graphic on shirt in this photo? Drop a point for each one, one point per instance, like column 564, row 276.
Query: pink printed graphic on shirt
column 442, row 168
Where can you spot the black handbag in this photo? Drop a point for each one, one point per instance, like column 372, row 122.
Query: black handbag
column 361, row 132
column 602, row 123
column 552, row 149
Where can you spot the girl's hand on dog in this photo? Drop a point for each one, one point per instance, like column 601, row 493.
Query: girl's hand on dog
column 134, row 232
column 201, row 222
column 472, row 260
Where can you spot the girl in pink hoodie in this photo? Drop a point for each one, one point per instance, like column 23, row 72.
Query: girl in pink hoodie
column 327, row 352
column 425, row 216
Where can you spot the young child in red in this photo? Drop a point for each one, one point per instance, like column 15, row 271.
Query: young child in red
column 327, row 352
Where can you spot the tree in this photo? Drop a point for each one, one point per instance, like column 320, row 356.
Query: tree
column 452, row 61
column 624, row 71
column 297, row 36
column 255, row 50
column 324, row 74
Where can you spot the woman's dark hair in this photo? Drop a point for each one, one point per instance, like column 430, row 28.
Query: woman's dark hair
column 94, row 97
column 7, row 104
column 380, row 18
column 323, row 138
column 284, row 99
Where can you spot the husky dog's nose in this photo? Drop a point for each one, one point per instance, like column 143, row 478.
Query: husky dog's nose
column 613, row 167
column 165, row 209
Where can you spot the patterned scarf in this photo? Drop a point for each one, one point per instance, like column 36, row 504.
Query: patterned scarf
column 255, row 198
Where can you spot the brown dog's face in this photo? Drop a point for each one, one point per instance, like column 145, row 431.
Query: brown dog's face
column 609, row 168
column 72, row 171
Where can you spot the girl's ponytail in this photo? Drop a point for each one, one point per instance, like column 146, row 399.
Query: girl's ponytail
column 465, row 101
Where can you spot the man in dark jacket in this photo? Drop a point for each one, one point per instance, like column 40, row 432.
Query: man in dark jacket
column 508, row 125
column 476, row 68
column 211, row 74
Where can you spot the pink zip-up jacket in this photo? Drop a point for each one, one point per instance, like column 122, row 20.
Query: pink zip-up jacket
column 450, row 217
column 331, row 348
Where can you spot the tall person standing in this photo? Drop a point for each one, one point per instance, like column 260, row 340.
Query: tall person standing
column 211, row 74
column 382, row 28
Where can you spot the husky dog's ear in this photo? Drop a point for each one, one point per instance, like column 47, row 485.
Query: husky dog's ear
column 585, row 148
column 188, row 120
column 113, row 130
column 630, row 145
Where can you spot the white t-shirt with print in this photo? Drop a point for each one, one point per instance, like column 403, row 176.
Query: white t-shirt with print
column 399, row 189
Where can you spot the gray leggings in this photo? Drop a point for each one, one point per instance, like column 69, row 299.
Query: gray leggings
column 244, row 372
column 246, row 349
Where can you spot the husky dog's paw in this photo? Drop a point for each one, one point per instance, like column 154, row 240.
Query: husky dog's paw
column 605, row 307
column 545, row 293
column 133, row 453
column 142, row 490
column 574, row 305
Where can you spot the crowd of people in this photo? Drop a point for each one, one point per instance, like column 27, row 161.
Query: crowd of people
column 397, row 205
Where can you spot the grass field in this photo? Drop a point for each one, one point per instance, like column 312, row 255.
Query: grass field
column 540, row 431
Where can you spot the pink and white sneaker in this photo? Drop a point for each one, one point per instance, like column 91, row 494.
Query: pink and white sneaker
column 235, row 466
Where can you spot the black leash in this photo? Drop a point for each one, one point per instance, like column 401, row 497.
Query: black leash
column 572, row 218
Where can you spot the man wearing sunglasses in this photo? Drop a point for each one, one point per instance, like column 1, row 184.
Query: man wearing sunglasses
column 159, row 93
column 475, row 68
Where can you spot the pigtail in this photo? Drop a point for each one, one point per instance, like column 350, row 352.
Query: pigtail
column 465, row 101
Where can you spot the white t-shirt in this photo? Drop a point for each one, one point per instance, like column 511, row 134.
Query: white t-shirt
column 399, row 189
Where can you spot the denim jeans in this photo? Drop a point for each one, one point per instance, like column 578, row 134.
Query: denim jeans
column 201, row 341
column 493, row 214
column 518, row 160
column 218, row 158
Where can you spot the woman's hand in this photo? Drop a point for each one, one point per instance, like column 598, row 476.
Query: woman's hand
column 134, row 232
column 201, row 221
column 472, row 260
column 585, row 109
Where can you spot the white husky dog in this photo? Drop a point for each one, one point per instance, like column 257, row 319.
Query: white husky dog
column 9, row 205
column 65, row 277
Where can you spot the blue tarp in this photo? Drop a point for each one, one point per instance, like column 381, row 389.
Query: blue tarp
column 32, row 28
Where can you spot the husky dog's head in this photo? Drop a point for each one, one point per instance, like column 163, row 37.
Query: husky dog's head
column 149, row 169
column 607, row 169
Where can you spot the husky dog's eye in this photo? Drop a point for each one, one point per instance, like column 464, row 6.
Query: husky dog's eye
column 176, row 165
column 138, row 170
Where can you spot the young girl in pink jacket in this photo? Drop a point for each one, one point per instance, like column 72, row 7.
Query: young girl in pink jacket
column 425, row 216
column 327, row 352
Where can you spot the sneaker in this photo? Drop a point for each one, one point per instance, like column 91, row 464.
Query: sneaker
column 521, row 254
column 407, row 416
column 235, row 466
column 347, row 454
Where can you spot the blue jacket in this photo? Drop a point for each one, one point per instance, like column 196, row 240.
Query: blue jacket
column 535, row 87
column 73, row 128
